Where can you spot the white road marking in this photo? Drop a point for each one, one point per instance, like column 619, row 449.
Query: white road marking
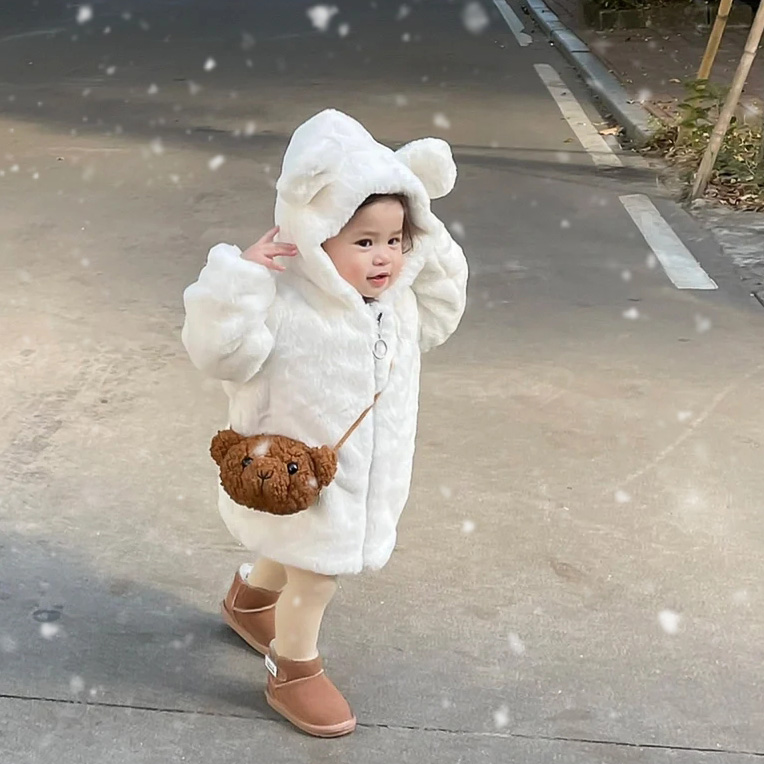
column 513, row 22
column 571, row 109
column 681, row 267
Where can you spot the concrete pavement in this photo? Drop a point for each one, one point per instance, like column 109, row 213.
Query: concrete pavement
column 578, row 577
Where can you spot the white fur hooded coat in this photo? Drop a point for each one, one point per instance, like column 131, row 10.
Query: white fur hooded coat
column 296, row 350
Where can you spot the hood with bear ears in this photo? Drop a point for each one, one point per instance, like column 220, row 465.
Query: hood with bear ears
column 332, row 164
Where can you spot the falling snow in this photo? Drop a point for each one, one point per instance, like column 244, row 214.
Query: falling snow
column 321, row 15
column 474, row 18
column 343, row 30
column 684, row 416
column 457, row 229
column 403, row 11
column 669, row 621
column 8, row 644
column 216, row 162
column 84, row 14
column 49, row 630
column 251, row 128
column 565, row 224
column 153, row 89
column 501, row 717
column 446, row 492
column 76, row 685
column 111, row 70
column 632, row 314
column 626, row 275
column 156, row 146
column 622, row 497
column 210, row 64
column 441, row 120
column 516, row 645
column 468, row 526
column 702, row 324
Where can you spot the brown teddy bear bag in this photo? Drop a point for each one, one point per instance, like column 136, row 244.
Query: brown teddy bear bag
column 273, row 473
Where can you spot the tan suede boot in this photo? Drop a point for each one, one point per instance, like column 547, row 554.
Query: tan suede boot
column 302, row 693
column 251, row 613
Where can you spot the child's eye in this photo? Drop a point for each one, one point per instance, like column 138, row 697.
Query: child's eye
column 395, row 241
column 364, row 243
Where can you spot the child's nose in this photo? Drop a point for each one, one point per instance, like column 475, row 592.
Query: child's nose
column 381, row 256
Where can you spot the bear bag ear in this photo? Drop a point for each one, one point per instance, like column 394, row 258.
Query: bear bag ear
column 324, row 464
column 431, row 160
column 222, row 443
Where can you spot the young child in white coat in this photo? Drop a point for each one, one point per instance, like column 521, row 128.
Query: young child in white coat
column 369, row 280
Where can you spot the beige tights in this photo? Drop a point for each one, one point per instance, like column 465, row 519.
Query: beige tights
column 300, row 609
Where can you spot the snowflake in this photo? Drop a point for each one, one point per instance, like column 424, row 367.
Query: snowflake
column 193, row 88
column 702, row 324
column 441, row 120
column 216, row 162
column 343, row 30
column 501, row 717
column 153, row 89
column 565, row 224
column 445, row 492
column 644, row 95
column 626, row 275
column 622, row 497
column 403, row 11
column 684, row 416
column 669, row 621
column 516, row 644
column 209, row 64
column 84, row 14
column 49, row 630
column 251, row 128
column 76, row 685
column 468, row 526
column 157, row 147
column 321, row 15
column 474, row 18
column 401, row 100
column 406, row 37
column 111, row 70
column 632, row 314
column 457, row 229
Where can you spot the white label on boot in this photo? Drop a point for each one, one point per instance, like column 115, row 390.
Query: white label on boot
column 271, row 666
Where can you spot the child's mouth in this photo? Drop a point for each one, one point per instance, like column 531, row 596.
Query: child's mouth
column 379, row 280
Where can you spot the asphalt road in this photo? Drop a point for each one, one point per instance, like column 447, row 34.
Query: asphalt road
column 579, row 573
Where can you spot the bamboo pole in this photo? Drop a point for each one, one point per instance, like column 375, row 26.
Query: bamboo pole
column 725, row 117
column 712, row 47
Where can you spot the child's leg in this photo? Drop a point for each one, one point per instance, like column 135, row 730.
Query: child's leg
column 267, row 574
column 299, row 613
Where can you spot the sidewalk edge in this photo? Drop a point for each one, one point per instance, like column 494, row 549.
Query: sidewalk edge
column 636, row 121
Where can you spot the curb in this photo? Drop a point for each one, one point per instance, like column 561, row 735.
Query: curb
column 636, row 121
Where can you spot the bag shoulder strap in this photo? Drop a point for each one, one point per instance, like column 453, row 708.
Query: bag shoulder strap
column 353, row 427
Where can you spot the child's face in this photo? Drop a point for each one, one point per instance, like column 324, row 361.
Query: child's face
column 367, row 252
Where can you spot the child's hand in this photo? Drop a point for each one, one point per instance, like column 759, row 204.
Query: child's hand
column 264, row 250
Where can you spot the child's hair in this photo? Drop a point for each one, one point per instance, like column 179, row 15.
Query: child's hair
column 409, row 230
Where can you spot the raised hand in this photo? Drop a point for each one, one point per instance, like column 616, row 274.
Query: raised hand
column 265, row 249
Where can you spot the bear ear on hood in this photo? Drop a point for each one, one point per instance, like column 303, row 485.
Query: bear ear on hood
column 430, row 159
column 222, row 443
column 315, row 169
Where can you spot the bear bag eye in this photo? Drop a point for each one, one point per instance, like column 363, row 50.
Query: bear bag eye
column 246, row 461
column 292, row 467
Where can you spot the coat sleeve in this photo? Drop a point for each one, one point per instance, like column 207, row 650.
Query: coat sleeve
column 441, row 291
column 225, row 331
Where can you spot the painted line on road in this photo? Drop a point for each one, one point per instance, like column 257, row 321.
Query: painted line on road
column 581, row 125
column 679, row 263
column 513, row 22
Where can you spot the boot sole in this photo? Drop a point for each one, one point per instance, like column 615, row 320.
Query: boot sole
column 336, row 730
column 245, row 635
